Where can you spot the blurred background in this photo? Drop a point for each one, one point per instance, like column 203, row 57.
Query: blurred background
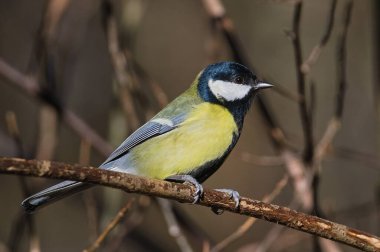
column 114, row 64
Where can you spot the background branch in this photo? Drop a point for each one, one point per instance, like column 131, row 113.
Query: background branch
column 30, row 87
column 301, row 85
column 21, row 221
column 316, row 51
column 116, row 220
column 174, row 228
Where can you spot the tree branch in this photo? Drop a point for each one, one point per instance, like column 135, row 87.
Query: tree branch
column 184, row 193
column 30, row 87
column 341, row 56
column 301, row 85
column 174, row 228
column 316, row 51
column 116, row 220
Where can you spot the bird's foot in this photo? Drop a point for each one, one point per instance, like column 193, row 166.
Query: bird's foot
column 191, row 180
column 233, row 195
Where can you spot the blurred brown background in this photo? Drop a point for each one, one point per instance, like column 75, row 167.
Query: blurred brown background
column 172, row 41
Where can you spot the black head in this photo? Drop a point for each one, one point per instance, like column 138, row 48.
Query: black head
column 228, row 83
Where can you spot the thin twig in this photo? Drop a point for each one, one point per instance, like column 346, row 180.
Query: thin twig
column 283, row 91
column 242, row 229
column 84, row 152
column 313, row 101
column 185, row 193
column 158, row 93
column 370, row 160
column 134, row 219
column 42, row 66
column 213, row 45
column 21, row 220
column 14, row 132
column 301, row 85
column 335, row 122
column 324, row 144
column 316, row 51
column 301, row 181
column 135, row 98
column 47, row 133
column 119, row 61
column 191, row 228
column 173, row 226
column 262, row 160
column 18, row 226
column 307, row 126
column 86, row 132
column 119, row 216
column 341, row 57
column 30, row 87
column 25, row 83
column 277, row 189
column 156, row 89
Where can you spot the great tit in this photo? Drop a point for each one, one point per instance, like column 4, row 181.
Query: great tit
column 186, row 141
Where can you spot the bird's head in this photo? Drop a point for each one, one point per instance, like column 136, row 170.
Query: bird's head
column 229, row 84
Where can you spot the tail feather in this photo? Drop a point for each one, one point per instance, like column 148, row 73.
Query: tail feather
column 53, row 194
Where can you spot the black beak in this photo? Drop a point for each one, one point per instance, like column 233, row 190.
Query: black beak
column 262, row 85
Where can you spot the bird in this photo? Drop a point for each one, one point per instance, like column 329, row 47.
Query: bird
column 187, row 141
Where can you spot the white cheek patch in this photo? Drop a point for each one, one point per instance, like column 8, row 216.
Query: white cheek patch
column 228, row 91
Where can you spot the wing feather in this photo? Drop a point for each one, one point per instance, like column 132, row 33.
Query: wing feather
column 149, row 130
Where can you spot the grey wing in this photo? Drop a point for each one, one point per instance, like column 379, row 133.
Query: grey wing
column 155, row 127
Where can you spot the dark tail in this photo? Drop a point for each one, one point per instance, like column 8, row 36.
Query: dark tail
column 53, row 194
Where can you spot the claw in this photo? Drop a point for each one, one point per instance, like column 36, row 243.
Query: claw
column 217, row 211
column 191, row 180
column 233, row 195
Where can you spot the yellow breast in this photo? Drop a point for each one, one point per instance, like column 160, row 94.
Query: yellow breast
column 205, row 135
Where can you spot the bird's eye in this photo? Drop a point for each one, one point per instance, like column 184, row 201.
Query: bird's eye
column 239, row 80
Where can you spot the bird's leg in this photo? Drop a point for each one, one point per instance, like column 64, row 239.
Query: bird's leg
column 233, row 195
column 191, row 180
